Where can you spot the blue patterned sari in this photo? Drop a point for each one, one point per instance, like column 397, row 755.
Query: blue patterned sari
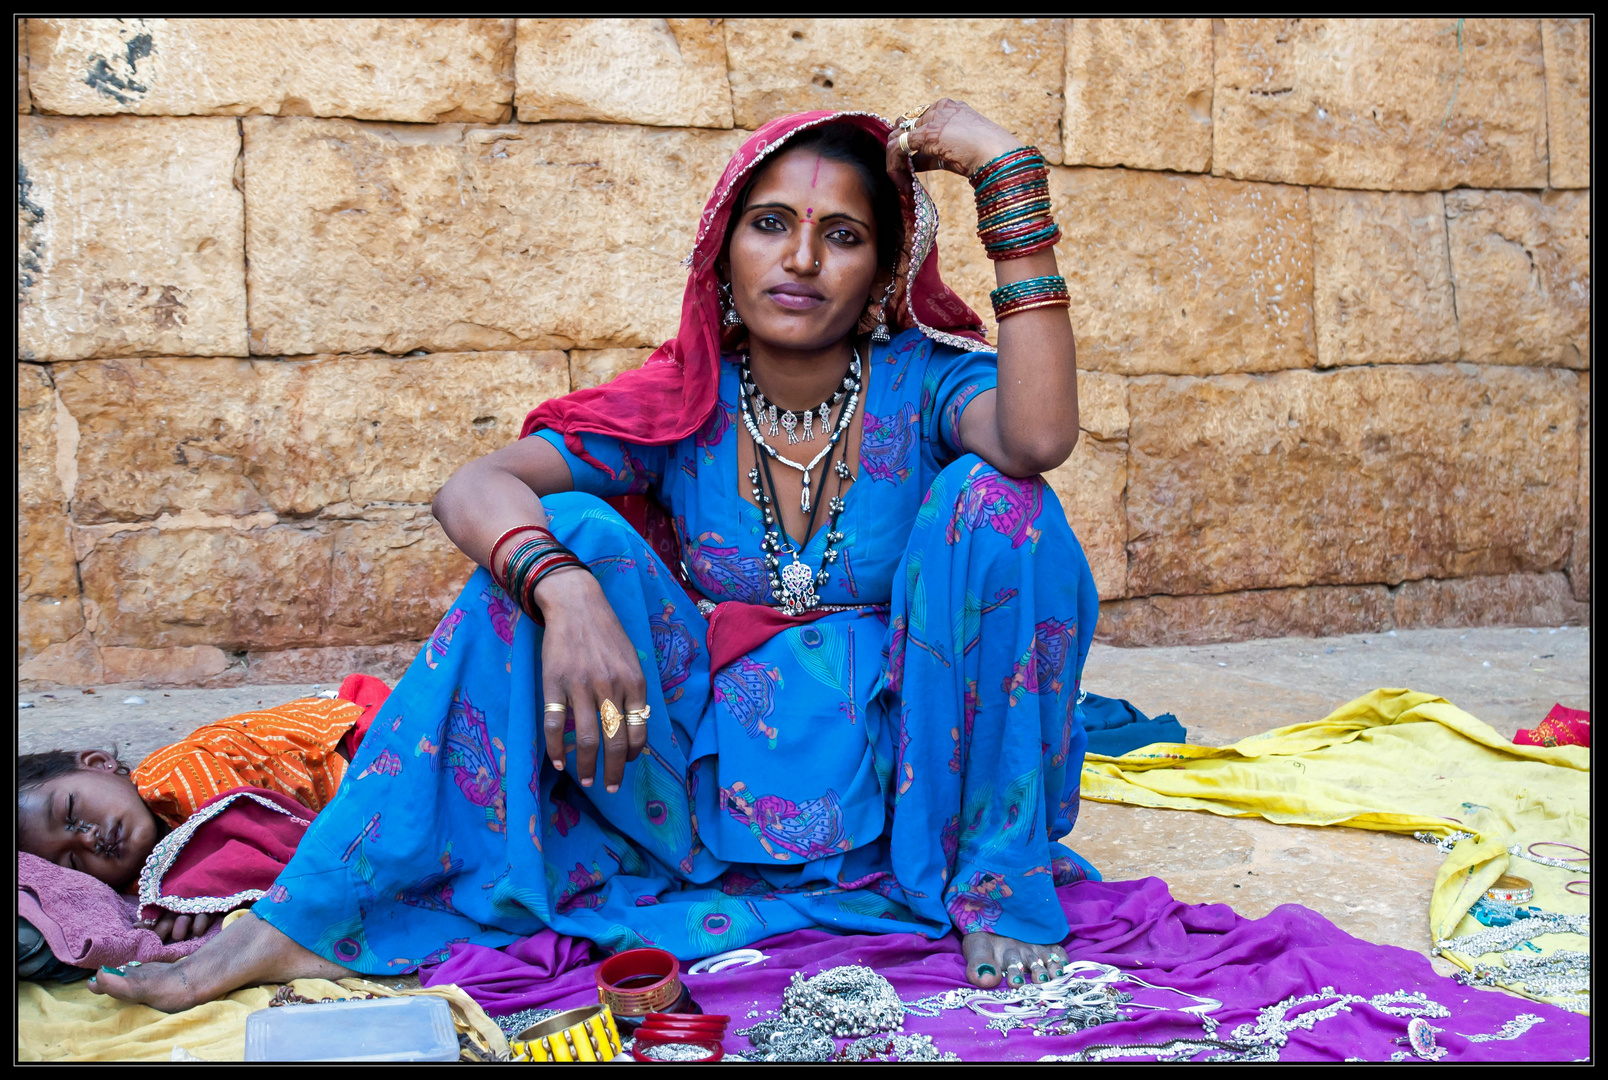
column 908, row 765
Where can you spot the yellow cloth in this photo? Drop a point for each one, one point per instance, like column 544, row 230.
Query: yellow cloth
column 57, row 1022
column 1395, row 761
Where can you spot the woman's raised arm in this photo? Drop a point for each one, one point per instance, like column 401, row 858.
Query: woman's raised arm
column 1030, row 424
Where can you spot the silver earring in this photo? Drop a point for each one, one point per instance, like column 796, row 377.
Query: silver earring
column 728, row 315
column 881, row 335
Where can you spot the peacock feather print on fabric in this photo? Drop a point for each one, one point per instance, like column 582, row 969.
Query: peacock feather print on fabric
column 748, row 691
column 661, row 802
column 968, row 628
column 441, row 640
column 827, row 653
column 811, row 829
column 1017, row 820
column 675, row 650
column 1009, row 507
column 477, row 760
column 712, row 923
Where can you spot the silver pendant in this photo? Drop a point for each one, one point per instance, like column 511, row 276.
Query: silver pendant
column 789, row 422
column 798, row 587
column 771, row 416
column 809, row 419
column 804, row 495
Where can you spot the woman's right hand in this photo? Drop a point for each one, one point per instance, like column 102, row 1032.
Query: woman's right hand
column 587, row 658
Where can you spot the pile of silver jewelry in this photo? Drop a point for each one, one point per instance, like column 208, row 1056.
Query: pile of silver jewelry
column 904, row 1048
column 1501, row 938
column 779, row 1040
column 1065, row 1005
column 1564, row 973
column 676, row 1051
column 846, row 1001
column 514, row 1023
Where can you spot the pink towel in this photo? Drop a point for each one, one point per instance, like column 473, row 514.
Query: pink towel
column 86, row 922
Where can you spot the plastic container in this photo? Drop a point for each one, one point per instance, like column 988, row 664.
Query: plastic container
column 377, row 1029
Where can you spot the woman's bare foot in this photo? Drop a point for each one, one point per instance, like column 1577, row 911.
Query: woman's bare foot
column 246, row 953
column 991, row 960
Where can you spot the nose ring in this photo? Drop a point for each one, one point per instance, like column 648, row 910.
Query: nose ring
column 817, row 264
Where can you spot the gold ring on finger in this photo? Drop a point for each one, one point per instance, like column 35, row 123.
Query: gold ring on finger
column 554, row 707
column 636, row 717
column 915, row 114
column 609, row 716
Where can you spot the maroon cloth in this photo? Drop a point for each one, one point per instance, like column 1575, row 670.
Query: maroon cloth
column 87, row 923
column 241, row 848
column 370, row 693
column 1137, row 926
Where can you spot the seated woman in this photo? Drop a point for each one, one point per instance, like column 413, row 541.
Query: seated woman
column 867, row 724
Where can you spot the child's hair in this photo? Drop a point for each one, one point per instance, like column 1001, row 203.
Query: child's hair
column 41, row 768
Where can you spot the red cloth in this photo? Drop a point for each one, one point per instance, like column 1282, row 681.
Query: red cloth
column 1562, row 727
column 240, row 848
column 370, row 693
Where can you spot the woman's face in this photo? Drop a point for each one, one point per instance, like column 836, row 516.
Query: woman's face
column 804, row 253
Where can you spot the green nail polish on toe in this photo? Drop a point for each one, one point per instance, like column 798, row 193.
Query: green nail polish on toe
column 113, row 970
column 986, row 969
column 1016, row 980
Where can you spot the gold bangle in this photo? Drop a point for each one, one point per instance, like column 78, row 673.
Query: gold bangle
column 637, row 717
column 584, row 1034
column 609, row 716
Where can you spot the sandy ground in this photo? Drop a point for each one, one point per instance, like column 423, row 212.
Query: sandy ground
column 1372, row 885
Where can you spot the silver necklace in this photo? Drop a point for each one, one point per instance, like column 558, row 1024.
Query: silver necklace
column 745, row 391
column 788, row 419
column 1548, row 860
column 1510, row 1030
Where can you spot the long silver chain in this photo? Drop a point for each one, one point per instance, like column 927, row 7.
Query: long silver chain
column 1548, row 860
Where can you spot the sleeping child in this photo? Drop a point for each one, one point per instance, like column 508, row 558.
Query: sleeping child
column 87, row 811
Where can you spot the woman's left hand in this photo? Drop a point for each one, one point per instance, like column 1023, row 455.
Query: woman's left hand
column 951, row 135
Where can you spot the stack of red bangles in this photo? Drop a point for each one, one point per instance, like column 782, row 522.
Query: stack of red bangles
column 535, row 557
column 1013, row 205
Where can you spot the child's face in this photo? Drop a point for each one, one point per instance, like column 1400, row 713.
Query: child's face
column 91, row 820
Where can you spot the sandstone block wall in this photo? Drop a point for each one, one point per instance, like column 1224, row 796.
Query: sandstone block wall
column 278, row 278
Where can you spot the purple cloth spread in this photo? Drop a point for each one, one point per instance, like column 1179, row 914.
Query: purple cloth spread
column 1204, row 949
column 86, row 922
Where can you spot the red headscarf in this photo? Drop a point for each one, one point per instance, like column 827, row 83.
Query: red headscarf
column 671, row 396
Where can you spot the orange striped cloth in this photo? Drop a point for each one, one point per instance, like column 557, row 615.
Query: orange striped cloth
column 289, row 749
